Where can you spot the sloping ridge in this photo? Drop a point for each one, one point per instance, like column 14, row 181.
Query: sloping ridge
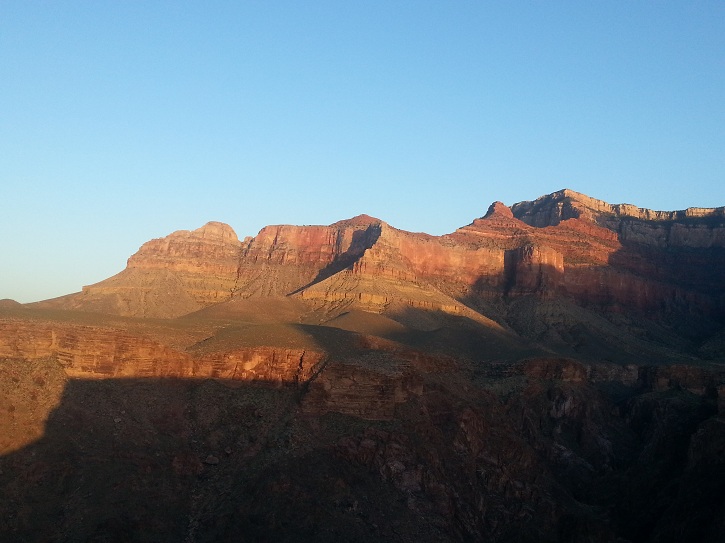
column 384, row 278
column 167, row 277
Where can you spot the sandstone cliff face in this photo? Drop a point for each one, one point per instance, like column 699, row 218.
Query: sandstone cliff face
column 284, row 259
column 91, row 352
column 370, row 386
column 265, row 364
column 692, row 227
column 94, row 352
column 204, row 261
column 621, row 257
column 399, row 269
column 612, row 258
column 167, row 277
column 212, row 249
column 533, row 268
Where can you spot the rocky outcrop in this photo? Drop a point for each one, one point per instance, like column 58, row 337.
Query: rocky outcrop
column 265, row 364
column 167, row 277
column 369, row 386
column 565, row 204
column 92, row 352
column 621, row 257
column 692, row 227
column 284, row 259
column 212, row 250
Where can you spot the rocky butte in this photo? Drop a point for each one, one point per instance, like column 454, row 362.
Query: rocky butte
column 552, row 371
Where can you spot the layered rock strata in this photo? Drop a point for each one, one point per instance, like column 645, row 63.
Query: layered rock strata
column 616, row 258
column 90, row 352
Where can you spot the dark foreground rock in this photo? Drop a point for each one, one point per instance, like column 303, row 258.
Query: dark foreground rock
column 538, row 452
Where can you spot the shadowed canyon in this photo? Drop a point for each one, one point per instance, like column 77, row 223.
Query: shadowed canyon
column 553, row 371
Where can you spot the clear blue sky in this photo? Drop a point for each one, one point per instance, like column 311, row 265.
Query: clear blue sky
column 123, row 121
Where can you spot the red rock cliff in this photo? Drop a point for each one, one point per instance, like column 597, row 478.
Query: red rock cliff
column 617, row 257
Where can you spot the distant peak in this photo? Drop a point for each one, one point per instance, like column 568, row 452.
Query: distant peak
column 499, row 209
column 218, row 230
column 568, row 193
column 551, row 209
column 358, row 220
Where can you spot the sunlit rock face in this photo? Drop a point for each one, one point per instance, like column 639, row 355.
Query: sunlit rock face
column 281, row 260
column 565, row 245
column 167, row 277
column 630, row 257
column 92, row 352
column 212, row 250
column 552, row 209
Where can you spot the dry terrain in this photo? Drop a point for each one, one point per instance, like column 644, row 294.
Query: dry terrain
column 553, row 371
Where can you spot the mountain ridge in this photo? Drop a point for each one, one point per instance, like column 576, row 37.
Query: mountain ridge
column 563, row 245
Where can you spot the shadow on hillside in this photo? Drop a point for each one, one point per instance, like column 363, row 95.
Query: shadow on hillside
column 149, row 460
column 646, row 303
column 362, row 240
column 681, row 287
column 124, row 460
column 671, row 296
column 439, row 332
column 171, row 460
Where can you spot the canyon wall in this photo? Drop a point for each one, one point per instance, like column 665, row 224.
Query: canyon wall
column 613, row 257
